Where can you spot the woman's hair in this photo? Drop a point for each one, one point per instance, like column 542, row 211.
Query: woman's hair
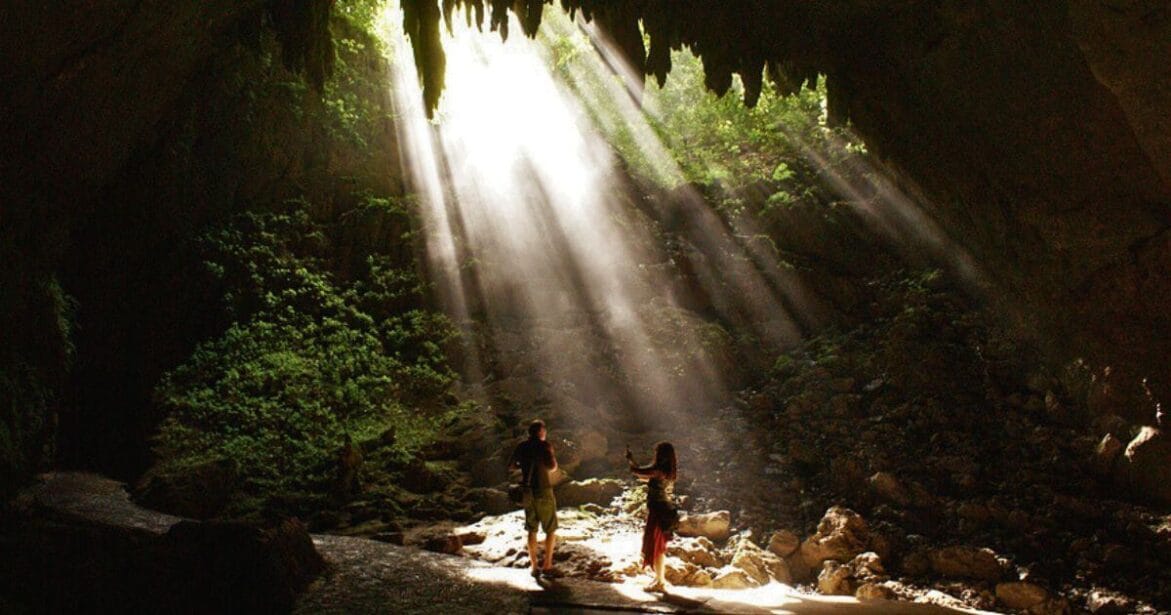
column 665, row 461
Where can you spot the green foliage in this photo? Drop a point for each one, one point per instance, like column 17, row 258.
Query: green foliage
column 777, row 153
column 308, row 360
column 350, row 96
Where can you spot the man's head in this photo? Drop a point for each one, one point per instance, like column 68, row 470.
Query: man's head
column 537, row 429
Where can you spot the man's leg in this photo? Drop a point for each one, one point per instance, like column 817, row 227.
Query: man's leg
column 533, row 549
column 550, row 542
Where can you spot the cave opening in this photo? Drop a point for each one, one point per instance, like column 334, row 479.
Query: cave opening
column 890, row 279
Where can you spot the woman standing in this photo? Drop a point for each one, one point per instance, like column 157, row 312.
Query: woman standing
column 662, row 515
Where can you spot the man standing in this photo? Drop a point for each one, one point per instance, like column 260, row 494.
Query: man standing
column 536, row 461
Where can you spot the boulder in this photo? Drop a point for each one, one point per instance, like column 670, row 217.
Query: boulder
column 699, row 551
column 889, row 488
column 835, row 579
column 783, row 543
column 963, row 562
column 699, row 578
column 599, row 491
column 222, row 567
column 677, row 571
column 874, row 591
column 199, row 491
column 1145, row 466
column 1020, row 595
column 731, row 577
column 716, row 526
column 1106, row 455
column 841, row 534
column 752, row 560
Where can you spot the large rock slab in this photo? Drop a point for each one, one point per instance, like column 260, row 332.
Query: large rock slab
column 715, row 526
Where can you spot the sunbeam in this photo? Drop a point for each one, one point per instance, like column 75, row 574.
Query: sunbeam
column 535, row 230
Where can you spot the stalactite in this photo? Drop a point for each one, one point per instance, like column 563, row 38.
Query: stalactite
column 750, row 38
column 421, row 22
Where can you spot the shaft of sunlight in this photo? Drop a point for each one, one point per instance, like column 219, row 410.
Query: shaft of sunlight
column 527, row 229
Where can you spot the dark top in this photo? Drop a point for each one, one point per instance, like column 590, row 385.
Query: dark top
column 659, row 488
column 535, row 458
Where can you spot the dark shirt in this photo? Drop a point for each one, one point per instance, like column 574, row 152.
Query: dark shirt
column 535, row 458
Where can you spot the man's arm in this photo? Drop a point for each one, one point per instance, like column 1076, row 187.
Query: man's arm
column 550, row 458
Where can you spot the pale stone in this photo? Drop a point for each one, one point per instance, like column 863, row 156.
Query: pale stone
column 697, row 550
column 715, row 526
column 841, row 534
column 748, row 557
column 834, row 580
column 731, row 577
column 874, row 591
column 784, row 543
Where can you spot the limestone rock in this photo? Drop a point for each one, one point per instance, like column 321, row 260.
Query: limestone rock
column 198, row 492
column 1021, row 595
column 963, row 562
column 599, row 491
column 699, row 578
column 731, row 577
column 760, row 564
column 1102, row 602
column 677, row 571
column 1106, row 454
column 837, row 579
column 699, row 551
column 715, row 526
column 874, row 591
column 1145, row 467
column 841, row 534
column 783, row 543
column 834, row 580
column 887, row 487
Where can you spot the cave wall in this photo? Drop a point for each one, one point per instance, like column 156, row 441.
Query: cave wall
column 134, row 129
column 1036, row 133
column 1038, row 137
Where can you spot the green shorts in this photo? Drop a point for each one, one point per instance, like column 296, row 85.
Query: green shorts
column 540, row 510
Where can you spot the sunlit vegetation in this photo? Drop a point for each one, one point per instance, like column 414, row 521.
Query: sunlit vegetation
column 310, row 358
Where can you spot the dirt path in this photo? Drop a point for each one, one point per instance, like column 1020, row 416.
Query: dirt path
column 367, row 576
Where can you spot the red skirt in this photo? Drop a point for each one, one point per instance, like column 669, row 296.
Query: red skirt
column 654, row 539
